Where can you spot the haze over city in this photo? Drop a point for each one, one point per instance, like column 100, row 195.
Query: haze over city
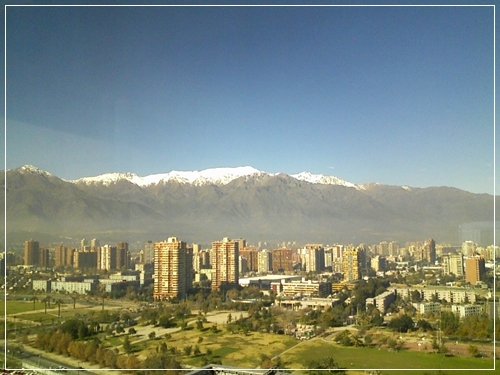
column 394, row 95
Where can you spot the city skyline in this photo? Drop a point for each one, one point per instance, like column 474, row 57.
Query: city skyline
column 393, row 95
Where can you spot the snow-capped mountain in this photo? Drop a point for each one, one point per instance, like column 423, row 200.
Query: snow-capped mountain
column 324, row 180
column 32, row 169
column 215, row 176
column 236, row 202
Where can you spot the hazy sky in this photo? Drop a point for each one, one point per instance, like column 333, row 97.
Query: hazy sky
column 394, row 95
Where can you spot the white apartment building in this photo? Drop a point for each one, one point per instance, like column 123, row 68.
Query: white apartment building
column 466, row 310
column 429, row 307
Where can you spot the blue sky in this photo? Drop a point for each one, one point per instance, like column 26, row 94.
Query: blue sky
column 394, row 95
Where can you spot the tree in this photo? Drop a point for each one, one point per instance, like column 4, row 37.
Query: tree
column 401, row 324
column 324, row 365
column 152, row 335
column 127, row 346
column 199, row 324
column 34, row 298
column 187, row 349
column 74, row 296
column 132, row 331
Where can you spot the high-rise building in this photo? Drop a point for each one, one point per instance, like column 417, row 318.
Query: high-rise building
column 61, row 257
column 468, row 248
column 122, row 256
column 315, row 258
column 251, row 256
column 352, row 260
column 453, row 264
column 429, row 252
column 393, row 249
column 378, row 263
column 31, row 252
column 224, row 261
column 149, row 252
column 44, row 257
column 264, row 259
column 84, row 245
column 94, row 244
column 170, row 268
column 475, row 270
column 106, row 258
column 85, row 259
column 282, row 260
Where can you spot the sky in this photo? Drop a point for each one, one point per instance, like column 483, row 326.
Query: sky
column 393, row 95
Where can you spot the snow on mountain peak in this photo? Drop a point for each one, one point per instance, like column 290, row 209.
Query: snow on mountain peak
column 219, row 176
column 322, row 179
column 108, row 179
column 33, row 169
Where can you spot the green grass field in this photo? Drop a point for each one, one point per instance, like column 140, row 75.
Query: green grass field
column 373, row 358
column 15, row 307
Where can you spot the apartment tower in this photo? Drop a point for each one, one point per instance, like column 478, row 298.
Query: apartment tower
column 352, row 260
column 170, row 265
column 475, row 270
column 31, row 252
column 224, row 261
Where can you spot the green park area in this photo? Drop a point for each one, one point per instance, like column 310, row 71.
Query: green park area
column 238, row 349
column 375, row 358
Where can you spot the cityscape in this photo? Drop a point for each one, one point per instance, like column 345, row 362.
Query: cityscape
column 249, row 190
column 343, row 294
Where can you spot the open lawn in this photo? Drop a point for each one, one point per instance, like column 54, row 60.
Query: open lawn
column 373, row 358
column 41, row 316
column 15, row 307
column 231, row 349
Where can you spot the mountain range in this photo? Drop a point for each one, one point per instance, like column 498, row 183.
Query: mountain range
column 243, row 202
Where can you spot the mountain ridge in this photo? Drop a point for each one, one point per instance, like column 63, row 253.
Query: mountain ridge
column 218, row 176
column 254, row 205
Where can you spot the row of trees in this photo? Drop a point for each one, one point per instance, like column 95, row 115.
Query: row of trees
column 95, row 352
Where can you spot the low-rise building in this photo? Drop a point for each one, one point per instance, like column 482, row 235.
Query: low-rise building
column 43, row 285
column 466, row 310
column 382, row 301
column 307, row 288
column 428, row 307
column 74, row 286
